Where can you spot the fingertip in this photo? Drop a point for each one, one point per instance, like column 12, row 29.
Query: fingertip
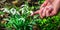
column 33, row 13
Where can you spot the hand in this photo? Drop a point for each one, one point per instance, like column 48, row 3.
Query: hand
column 46, row 11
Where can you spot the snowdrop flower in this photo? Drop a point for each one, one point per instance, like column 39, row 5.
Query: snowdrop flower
column 31, row 12
column 13, row 11
column 22, row 19
column 22, row 10
column 18, row 13
column 6, row 10
column 22, row 5
column 6, row 19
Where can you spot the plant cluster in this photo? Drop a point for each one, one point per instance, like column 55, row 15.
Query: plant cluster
column 20, row 19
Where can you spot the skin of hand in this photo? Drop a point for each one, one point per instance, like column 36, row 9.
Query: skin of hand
column 52, row 9
column 43, row 5
column 41, row 9
column 56, row 6
column 48, row 10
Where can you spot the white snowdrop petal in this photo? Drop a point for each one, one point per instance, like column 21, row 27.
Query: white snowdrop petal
column 31, row 12
column 22, row 19
column 18, row 13
column 13, row 11
column 6, row 10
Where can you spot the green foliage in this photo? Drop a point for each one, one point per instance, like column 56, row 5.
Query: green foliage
column 40, row 1
column 1, row 13
column 20, row 19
